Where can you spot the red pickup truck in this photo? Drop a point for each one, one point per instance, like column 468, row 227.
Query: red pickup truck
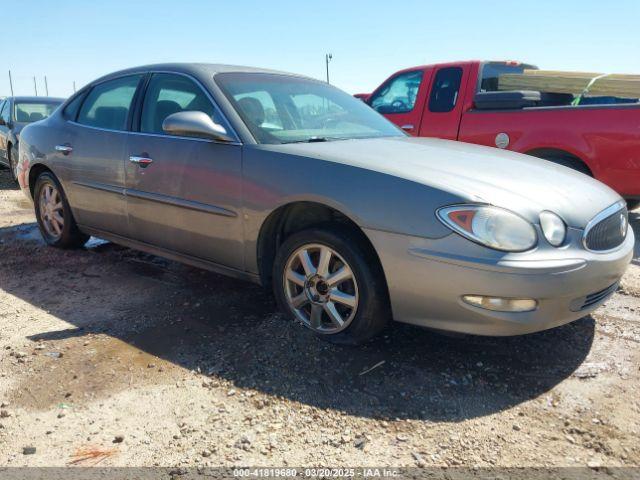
column 461, row 101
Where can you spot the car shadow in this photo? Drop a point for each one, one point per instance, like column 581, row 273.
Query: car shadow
column 231, row 330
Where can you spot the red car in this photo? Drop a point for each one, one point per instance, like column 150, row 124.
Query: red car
column 461, row 101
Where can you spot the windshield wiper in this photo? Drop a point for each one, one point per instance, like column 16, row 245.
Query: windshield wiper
column 316, row 139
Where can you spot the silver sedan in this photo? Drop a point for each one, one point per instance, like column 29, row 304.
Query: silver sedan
column 292, row 183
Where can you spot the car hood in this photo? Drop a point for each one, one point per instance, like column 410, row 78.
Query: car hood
column 521, row 183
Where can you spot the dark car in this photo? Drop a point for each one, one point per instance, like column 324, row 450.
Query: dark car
column 15, row 113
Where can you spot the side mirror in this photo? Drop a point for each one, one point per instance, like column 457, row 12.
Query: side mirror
column 195, row 124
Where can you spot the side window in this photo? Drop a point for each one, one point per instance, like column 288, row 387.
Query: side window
column 108, row 104
column 4, row 111
column 72, row 108
column 399, row 94
column 446, row 87
column 168, row 94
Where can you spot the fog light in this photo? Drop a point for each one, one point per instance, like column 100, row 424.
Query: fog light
column 499, row 304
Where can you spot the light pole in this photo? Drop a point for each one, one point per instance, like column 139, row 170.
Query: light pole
column 327, row 59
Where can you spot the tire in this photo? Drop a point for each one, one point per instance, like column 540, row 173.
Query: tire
column 66, row 235
column 13, row 161
column 366, row 287
column 633, row 204
column 571, row 163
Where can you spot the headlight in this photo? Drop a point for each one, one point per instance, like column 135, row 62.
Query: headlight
column 493, row 227
column 553, row 228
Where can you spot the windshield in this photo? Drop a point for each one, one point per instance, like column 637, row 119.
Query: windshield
column 28, row 112
column 287, row 109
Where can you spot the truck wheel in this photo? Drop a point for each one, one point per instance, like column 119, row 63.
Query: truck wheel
column 571, row 163
column 326, row 278
column 57, row 226
column 633, row 204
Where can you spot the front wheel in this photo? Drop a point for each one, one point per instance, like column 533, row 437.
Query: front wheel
column 57, row 226
column 330, row 281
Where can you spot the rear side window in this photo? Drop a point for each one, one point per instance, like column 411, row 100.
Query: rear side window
column 108, row 104
column 72, row 108
column 399, row 94
column 446, row 87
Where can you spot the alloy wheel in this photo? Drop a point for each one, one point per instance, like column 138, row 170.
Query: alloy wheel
column 51, row 210
column 320, row 288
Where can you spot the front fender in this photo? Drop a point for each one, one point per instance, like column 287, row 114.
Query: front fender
column 373, row 200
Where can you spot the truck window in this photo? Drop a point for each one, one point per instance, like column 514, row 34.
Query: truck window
column 446, row 87
column 492, row 71
column 398, row 95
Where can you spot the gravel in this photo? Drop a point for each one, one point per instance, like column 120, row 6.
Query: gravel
column 162, row 364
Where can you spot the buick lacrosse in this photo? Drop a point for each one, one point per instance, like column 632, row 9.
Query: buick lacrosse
column 294, row 184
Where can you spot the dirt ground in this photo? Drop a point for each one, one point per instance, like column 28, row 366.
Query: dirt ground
column 117, row 358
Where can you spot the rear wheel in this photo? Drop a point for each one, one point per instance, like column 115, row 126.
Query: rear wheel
column 326, row 279
column 57, row 226
column 569, row 162
column 13, row 162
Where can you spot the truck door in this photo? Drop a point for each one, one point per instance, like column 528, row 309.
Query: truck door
column 443, row 110
column 401, row 97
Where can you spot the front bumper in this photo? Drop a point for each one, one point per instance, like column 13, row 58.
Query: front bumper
column 427, row 278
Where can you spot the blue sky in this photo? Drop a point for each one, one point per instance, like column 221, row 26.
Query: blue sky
column 82, row 40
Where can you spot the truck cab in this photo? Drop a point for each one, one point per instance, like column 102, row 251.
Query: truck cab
column 461, row 101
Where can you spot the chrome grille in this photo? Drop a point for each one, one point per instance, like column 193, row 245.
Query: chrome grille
column 608, row 229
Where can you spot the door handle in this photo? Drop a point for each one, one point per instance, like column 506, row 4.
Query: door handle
column 142, row 162
column 65, row 149
column 407, row 128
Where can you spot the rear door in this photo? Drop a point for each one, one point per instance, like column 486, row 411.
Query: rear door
column 401, row 97
column 184, row 194
column 91, row 148
column 443, row 110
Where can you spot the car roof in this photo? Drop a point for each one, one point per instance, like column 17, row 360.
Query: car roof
column 197, row 69
column 37, row 99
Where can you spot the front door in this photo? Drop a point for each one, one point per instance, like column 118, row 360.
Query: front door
column 183, row 194
column 400, row 99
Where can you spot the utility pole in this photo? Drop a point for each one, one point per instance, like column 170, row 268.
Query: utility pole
column 327, row 59
column 10, row 83
column 74, row 86
column 35, row 86
column 46, row 86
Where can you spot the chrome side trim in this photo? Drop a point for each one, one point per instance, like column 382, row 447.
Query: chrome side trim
column 100, row 186
column 178, row 202
column 607, row 212
column 156, row 197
